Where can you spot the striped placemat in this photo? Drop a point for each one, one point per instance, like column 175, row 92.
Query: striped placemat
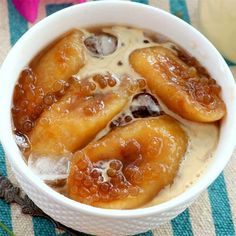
column 214, row 213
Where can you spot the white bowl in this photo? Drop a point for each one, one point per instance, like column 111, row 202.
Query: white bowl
column 83, row 217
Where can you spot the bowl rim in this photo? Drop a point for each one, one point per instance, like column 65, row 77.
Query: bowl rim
column 18, row 163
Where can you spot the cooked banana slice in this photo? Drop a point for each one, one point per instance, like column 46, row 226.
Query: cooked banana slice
column 129, row 166
column 46, row 79
column 62, row 61
column 72, row 122
column 179, row 86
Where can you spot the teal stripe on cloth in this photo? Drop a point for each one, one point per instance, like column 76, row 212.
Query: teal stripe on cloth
column 141, row 1
column 181, row 225
column 43, row 226
column 51, row 8
column 17, row 24
column 5, row 209
column 220, row 207
column 148, row 233
column 230, row 63
column 179, row 8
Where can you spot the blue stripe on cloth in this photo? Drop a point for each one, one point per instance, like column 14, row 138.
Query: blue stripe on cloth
column 5, row 209
column 141, row 1
column 179, row 8
column 230, row 63
column 43, row 226
column 148, row 233
column 181, row 225
column 17, row 24
column 220, row 206
column 51, row 8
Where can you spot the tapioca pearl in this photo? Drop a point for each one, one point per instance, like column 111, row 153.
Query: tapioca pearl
column 27, row 76
column 133, row 191
column 142, row 83
column 88, row 110
column 95, row 197
column 95, row 173
column 137, row 177
column 117, row 179
column 83, row 192
column 116, row 123
column 28, row 125
column 111, row 172
column 116, row 164
column 49, row 99
column 215, row 89
column 133, row 173
column 104, row 196
column 39, row 109
column 133, row 87
column 100, row 80
column 192, row 71
column 128, row 119
column 93, row 189
column 111, row 82
column 114, row 192
column 82, row 164
column 92, row 86
column 79, row 175
column 15, row 109
column 18, row 92
column 58, row 85
column 104, row 187
column 203, row 97
column 24, row 103
column 88, row 181
column 124, row 193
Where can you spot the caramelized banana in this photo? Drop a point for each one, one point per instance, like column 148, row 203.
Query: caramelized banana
column 129, row 166
column 179, row 86
column 45, row 81
column 71, row 123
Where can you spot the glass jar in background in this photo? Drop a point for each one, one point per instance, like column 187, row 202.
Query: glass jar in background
column 217, row 19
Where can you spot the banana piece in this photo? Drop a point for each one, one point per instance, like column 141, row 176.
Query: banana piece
column 129, row 166
column 46, row 79
column 179, row 86
column 73, row 121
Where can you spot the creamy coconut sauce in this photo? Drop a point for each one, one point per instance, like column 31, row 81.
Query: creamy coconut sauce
column 203, row 138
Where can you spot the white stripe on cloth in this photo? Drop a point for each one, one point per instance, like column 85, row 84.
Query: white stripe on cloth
column 230, row 178
column 201, row 217
column 192, row 6
column 163, row 4
column 4, row 31
column 163, row 230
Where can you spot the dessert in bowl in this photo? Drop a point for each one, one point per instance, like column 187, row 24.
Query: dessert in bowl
column 133, row 121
